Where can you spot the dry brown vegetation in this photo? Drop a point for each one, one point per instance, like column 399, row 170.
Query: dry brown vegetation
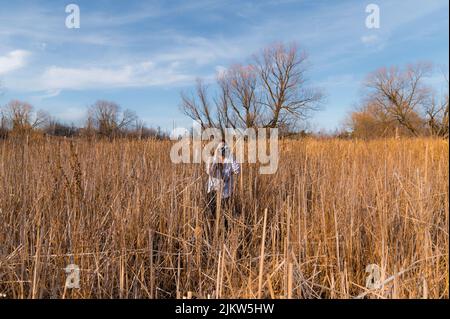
column 136, row 224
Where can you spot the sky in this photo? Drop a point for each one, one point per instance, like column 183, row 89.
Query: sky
column 142, row 54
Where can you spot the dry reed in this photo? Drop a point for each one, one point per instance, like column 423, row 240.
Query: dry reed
column 137, row 225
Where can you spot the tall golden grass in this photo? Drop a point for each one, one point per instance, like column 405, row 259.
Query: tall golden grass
column 138, row 227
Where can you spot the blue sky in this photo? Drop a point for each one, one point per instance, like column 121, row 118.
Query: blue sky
column 142, row 54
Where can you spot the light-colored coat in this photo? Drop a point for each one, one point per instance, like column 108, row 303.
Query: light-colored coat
column 222, row 181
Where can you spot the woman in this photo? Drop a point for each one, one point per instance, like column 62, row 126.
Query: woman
column 220, row 169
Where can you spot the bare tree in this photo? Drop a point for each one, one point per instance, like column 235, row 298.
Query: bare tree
column 437, row 113
column 269, row 92
column 372, row 121
column 199, row 107
column 20, row 116
column 239, row 104
column 286, row 97
column 400, row 93
column 108, row 120
column 3, row 125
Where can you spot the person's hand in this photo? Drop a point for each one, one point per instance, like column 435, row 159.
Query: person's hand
column 219, row 159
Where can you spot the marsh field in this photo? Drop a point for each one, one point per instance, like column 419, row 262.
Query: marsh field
column 137, row 225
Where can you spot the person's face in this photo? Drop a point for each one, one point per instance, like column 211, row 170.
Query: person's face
column 221, row 155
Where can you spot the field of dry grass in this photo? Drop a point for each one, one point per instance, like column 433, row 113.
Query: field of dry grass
column 137, row 226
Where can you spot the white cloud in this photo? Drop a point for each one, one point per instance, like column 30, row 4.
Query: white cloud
column 13, row 60
column 142, row 74
column 47, row 95
column 369, row 39
column 374, row 41
column 78, row 78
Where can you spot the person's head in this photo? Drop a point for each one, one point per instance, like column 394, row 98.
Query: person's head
column 221, row 150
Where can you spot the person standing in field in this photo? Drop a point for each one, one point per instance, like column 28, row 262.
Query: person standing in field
column 220, row 169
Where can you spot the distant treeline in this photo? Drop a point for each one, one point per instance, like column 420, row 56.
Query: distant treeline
column 104, row 119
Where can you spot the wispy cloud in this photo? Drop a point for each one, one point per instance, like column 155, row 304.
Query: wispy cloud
column 47, row 95
column 142, row 74
column 369, row 39
column 13, row 60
